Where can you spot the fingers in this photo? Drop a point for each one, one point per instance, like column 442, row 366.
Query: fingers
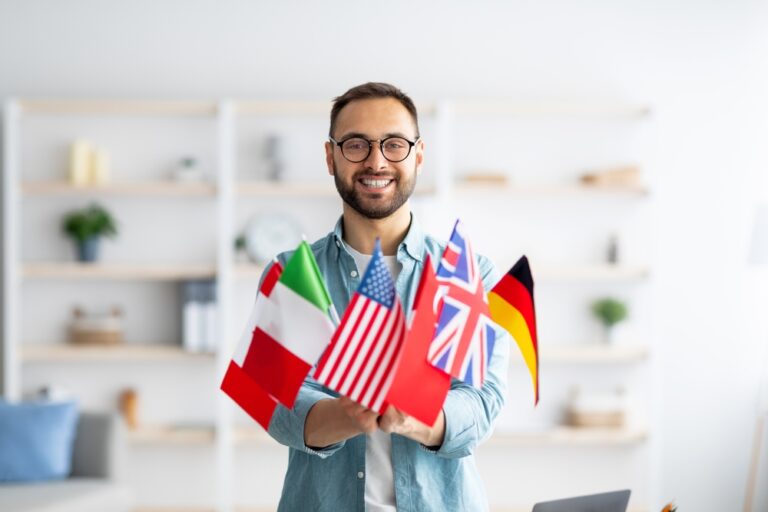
column 392, row 421
column 363, row 418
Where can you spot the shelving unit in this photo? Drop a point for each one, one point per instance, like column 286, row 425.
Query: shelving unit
column 225, row 192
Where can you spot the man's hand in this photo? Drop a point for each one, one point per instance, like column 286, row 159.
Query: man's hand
column 393, row 421
column 333, row 420
column 362, row 418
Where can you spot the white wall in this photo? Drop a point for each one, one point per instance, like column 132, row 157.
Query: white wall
column 703, row 66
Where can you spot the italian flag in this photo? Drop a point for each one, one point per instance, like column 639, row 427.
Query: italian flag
column 288, row 329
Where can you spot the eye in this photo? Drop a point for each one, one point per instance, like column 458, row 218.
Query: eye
column 356, row 145
column 395, row 144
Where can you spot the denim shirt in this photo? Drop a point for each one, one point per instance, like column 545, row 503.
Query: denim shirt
column 332, row 479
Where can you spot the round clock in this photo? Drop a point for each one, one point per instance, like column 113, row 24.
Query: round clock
column 268, row 234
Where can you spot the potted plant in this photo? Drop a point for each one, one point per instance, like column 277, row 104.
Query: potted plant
column 609, row 311
column 86, row 226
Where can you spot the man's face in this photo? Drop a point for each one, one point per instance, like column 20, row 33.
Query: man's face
column 375, row 187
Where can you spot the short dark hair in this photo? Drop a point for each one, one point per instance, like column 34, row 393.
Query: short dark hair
column 371, row 90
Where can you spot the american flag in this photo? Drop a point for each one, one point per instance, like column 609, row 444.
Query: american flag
column 465, row 335
column 360, row 360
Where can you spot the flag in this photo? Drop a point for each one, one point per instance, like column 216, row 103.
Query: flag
column 465, row 335
column 293, row 328
column 238, row 383
column 512, row 307
column 418, row 388
column 360, row 360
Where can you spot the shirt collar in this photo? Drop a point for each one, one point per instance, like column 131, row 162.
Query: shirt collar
column 413, row 243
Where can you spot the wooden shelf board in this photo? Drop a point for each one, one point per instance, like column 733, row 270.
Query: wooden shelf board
column 157, row 188
column 552, row 108
column 116, row 106
column 570, row 436
column 593, row 353
column 538, row 191
column 172, row 435
column 588, row 272
column 117, row 271
column 126, row 352
column 248, row 270
column 280, row 107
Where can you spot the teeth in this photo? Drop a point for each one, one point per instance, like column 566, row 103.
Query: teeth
column 375, row 183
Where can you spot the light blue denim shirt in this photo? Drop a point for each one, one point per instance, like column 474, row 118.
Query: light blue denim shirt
column 332, row 479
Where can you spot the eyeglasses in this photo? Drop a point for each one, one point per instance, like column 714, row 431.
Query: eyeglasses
column 357, row 149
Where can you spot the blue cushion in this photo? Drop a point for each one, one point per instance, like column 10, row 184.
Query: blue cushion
column 36, row 440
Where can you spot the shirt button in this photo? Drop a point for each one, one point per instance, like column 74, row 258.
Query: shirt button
column 353, row 273
column 338, row 244
column 360, row 474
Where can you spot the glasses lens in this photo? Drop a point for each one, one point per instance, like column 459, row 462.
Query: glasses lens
column 396, row 149
column 355, row 150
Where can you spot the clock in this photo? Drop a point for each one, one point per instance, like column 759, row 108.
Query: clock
column 268, row 234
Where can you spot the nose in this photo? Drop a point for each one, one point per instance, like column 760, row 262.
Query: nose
column 376, row 158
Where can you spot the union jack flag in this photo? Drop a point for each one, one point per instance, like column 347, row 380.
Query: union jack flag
column 361, row 358
column 465, row 335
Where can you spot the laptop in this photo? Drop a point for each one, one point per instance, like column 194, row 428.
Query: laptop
column 615, row 501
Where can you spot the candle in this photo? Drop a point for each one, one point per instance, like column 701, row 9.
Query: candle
column 100, row 169
column 79, row 162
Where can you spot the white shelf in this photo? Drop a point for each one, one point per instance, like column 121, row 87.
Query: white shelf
column 117, row 271
column 157, row 188
column 126, row 352
column 114, row 106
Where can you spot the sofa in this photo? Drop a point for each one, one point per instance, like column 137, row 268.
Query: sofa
column 90, row 485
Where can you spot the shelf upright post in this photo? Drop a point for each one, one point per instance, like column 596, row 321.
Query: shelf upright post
column 10, row 298
column 224, row 259
column 435, row 214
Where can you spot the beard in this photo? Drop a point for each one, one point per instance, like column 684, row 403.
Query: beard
column 375, row 209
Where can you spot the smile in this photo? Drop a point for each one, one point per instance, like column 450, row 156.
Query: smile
column 375, row 183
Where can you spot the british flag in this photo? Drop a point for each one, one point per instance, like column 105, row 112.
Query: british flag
column 465, row 336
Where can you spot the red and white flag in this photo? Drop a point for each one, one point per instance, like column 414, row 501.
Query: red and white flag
column 360, row 360
column 239, row 380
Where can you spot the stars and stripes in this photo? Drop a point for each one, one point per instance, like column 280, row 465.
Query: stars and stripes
column 360, row 360
column 465, row 335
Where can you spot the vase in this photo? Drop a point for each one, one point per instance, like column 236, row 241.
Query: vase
column 88, row 249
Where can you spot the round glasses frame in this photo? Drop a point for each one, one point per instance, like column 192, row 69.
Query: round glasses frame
column 340, row 144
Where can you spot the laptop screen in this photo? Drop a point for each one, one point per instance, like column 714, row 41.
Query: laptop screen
column 615, row 501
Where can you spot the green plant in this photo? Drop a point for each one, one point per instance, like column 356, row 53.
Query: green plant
column 89, row 222
column 609, row 311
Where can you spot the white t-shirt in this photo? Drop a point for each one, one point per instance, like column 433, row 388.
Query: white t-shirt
column 379, row 479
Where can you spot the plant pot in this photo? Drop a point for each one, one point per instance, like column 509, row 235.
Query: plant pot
column 609, row 334
column 88, row 250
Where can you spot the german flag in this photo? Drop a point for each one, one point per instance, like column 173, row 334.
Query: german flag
column 511, row 305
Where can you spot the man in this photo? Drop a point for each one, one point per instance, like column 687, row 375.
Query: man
column 344, row 457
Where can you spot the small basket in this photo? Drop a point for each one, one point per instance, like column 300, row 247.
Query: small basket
column 96, row 329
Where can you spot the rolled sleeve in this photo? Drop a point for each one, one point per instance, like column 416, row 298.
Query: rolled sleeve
column 287, row 425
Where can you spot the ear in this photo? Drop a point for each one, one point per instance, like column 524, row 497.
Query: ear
column 419, row 155
column 329, row 156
